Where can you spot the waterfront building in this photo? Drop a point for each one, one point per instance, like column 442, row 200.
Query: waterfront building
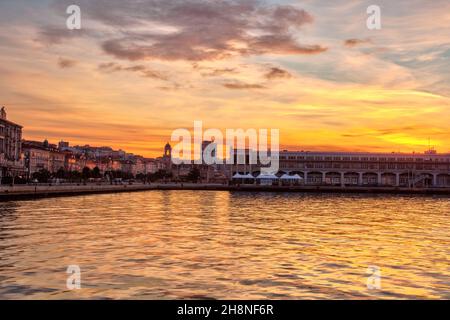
column 63, row 145
column 383, row 169
column 151, row 166
column 74, row 162
column 127, row 167
column 428, row 169
column 42, row 156
column 139, row 165
column 11, row 161
column 104, row 164
column 92, row 163
column 93, row 152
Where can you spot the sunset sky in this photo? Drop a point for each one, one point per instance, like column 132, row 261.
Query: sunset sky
column 139, row 69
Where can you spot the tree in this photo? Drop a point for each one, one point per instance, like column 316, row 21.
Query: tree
column 158, row 175
column 74, row 175
column 86, row 173
column 61, row 173
column 118, row 174
column 194, row 175
column 96, row 173
column 42, row 175
column 141, row 177
column 151, row 177
column 6, row 180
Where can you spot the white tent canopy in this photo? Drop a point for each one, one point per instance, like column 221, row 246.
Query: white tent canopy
column 267, row 176
column 243, row 176
column 295, row 177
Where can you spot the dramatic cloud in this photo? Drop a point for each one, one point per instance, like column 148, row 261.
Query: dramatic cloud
column 219, row 72
column 350, row 43
column 50, row 35
column 277, row 73
column 66, row 63
column 142, row 70
column 243, row 86
column 198, row 30
column 280, row 44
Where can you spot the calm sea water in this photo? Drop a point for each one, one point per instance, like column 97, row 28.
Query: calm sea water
column 191, row 244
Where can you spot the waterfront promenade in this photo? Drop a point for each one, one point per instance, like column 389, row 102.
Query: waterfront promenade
column 18, row 192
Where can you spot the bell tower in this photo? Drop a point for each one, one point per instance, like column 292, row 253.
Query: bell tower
column 168, row 151
column 167, row 158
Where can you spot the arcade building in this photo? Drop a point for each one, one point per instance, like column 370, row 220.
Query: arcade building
column 428, row 169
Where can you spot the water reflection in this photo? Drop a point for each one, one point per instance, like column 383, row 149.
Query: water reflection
column 191, row 244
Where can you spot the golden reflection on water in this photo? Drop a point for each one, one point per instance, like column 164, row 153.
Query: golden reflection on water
column 191, row 244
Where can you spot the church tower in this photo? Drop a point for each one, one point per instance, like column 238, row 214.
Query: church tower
column 167, row 157
column 168, row 151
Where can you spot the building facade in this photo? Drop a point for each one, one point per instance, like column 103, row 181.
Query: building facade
column 11, row 162
column 42, row 156
column 428, row 169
